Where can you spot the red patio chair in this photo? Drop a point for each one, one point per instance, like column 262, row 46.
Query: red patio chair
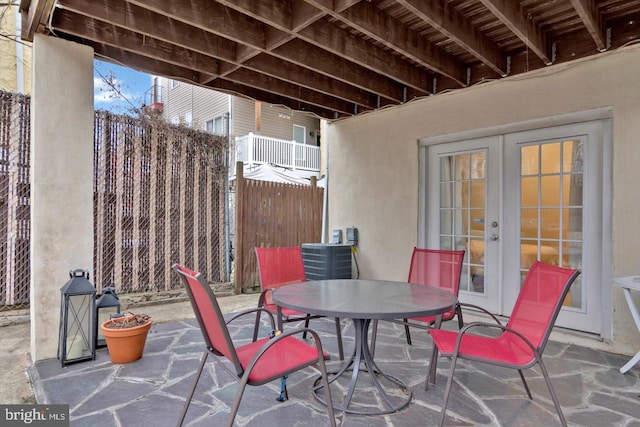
column 521, row 342
column 437, row 268
column 253, row 364
column 279, row 267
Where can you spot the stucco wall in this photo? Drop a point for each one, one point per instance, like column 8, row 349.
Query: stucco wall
column 61, row 180
column 373, row 159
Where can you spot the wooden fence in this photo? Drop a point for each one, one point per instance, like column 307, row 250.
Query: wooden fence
column 159, row 199
column 271, row 214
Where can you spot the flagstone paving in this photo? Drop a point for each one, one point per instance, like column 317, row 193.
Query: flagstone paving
column 151, row 391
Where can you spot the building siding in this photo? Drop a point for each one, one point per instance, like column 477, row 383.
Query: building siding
column 15, row 57
column 206, row 104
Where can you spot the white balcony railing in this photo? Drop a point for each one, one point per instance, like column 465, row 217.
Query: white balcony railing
column 255, row 149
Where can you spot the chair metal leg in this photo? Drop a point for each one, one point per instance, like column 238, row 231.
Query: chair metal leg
column 205, row 355
column 325, row 383
column 526, row 386
column 256, row 327
column 431, row 375
column 339, row 337
column 447, row 391
column 374, row 335
column 306, row 325
column 554, row 397
column 406, row 331
column 236, row 402
column 459, row 314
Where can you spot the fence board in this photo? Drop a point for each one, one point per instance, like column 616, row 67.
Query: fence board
column 270, row 214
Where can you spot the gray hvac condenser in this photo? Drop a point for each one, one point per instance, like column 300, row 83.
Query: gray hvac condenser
column 324, row 261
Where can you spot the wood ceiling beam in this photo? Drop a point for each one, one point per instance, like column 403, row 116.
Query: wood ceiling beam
column 157, row 28
column 143, row 21
column 152, row 66
column 593, row 21
column 449, row 22
column 143, row 64
column 393, row 34
column 510, row 15
column 272, row 66
column 34, row 15
column 270, row 98
column 334, row 39
column 302, row 15
column 332, row 65
column 298, row 52
column 109, row 34
column 268, row 83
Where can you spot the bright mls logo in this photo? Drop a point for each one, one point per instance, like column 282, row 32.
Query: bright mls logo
column 34, row 415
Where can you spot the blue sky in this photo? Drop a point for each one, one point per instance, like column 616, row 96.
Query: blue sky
column 131, row 84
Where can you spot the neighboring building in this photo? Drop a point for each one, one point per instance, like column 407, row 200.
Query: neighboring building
column 15, row 55
column 279, row 129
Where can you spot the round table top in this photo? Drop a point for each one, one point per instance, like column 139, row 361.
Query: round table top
column 364, row 299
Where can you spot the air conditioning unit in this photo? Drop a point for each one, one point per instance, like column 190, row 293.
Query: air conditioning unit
column 326, row 261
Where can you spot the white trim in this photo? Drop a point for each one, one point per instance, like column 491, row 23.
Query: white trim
column 607, row 232
column 545, row 122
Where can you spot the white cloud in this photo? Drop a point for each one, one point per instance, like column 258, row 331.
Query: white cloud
column 103, row 92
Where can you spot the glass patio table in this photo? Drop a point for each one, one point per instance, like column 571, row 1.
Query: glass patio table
column 363, row 301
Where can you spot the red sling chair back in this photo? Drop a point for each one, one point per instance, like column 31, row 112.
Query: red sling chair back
column 521, row 342
column 278, row 267
column 437, row 268
column 256, row 363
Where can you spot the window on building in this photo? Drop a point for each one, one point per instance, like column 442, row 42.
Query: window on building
column 299, row 134
column 188, row 118
column 174, row 84
column 175, row 120
column 215, row 126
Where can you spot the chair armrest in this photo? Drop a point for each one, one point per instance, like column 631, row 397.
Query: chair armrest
column 263, row 296
column 477, row 307
column 253, row 310
column 494, row 326
column 265, row 348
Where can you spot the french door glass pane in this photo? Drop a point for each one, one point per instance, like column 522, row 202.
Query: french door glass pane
column 551, row 220
column 463, row 187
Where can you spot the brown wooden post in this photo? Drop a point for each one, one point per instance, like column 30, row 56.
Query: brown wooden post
column 239, row 237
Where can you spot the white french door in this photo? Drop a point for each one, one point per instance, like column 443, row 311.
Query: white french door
column 518, row 197
column 464, row 196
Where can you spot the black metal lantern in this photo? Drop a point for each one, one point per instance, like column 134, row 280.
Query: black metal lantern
column 107, row 307
column 77, row 316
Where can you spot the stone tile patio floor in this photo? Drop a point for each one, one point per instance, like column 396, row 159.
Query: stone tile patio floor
column 150, row 392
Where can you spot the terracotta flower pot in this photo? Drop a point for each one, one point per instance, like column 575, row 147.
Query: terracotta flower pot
column 125, row 344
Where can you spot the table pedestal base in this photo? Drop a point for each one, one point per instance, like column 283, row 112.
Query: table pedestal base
column 362, row 356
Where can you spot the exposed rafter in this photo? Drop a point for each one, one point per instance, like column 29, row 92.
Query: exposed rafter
column 521, row 25
column 588, row 12
column 336, row 57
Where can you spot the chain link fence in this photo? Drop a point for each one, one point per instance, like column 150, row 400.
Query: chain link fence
column 15, row 216
column 158, row 199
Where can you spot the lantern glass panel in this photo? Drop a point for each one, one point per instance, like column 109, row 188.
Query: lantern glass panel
column 104, row 313
column 79, row 326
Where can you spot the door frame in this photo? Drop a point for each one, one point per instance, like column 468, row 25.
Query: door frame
column 605, row 115
column 492, row 297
